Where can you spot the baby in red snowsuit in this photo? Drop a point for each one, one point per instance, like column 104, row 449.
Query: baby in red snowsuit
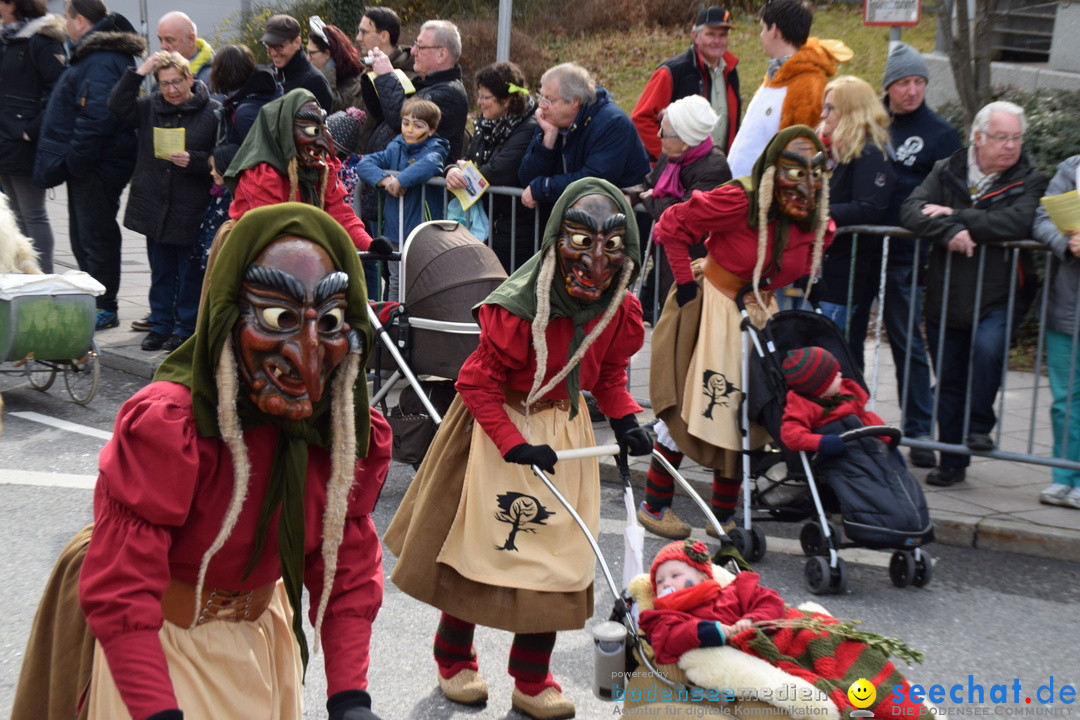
column 819, row 394
column 692, row 610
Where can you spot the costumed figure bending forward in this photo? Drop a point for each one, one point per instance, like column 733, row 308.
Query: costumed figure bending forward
column 509, row 555
column 245, row 472
column 768, row 229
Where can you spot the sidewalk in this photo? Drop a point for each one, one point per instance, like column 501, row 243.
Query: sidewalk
column 997, row 507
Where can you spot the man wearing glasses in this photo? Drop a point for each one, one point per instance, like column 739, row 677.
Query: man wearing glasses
column 281, row 38
column 435, row 61
column 968, row 205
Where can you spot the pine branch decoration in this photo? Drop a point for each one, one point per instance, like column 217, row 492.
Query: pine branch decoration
column 846, row 630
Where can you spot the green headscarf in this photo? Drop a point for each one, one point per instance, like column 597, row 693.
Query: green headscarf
column 750, row 185
column 194, row 365
column 518, row 292
column 271, row 141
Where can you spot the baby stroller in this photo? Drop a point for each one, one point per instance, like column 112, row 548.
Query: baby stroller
column 430, row 331
column 881, row 503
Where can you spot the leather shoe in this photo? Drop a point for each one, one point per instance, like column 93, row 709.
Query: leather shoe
column 727, row 527
column 945, row 476
column 980, row 441
column 153, row 341
column 142, row 324
column 172, row 342
column 465, row 686
column 921, row 457
column 667, row 525
column 548, row 705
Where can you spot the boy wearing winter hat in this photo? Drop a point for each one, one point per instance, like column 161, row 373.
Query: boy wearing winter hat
column 819, row 394
column 692, row 609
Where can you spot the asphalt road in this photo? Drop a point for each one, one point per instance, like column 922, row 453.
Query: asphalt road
column 995, row 617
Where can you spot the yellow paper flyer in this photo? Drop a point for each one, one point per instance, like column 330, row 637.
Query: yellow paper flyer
column 1064, row 210
column 168, row 141
column 475, row 185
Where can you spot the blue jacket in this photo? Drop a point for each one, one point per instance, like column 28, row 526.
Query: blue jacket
column 417, row 164
column 80, row 136
column 601, row 142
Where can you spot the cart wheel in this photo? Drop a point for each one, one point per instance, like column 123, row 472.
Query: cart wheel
column 838, row 584
column 924, row 570
column 40, row 375
column 812, row 539
column 758, row 546
column 82, row 376
column 901, row 568
column 818, row 575
column 743, row 541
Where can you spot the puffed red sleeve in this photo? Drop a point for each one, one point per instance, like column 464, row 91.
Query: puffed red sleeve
column 358, row 585
column 756, row 601
column 796, row 431
column 505, row 341
column 686, row 223
column 148, row 473
column 256, row 187
column 670, row 632
column 611, row 393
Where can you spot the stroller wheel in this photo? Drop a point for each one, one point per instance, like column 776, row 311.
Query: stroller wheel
column 901, row 568
column 812, row 539
column 818, row 575
column 924, row 568
column 759, row 545
column 750, row 543
column 839, row 577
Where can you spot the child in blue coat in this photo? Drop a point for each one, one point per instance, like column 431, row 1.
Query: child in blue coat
column 418, row 154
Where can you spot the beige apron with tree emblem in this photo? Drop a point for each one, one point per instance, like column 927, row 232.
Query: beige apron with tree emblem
column 509, row 530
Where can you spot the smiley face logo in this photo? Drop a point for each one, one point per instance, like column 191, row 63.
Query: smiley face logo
column 861, row 693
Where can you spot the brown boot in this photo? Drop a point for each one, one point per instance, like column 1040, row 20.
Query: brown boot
column 668, row 525
column 465, row 687
column 727, row 527
column 548, row 705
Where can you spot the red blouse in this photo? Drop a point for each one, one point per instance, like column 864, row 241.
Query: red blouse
column 506, row 357
column 263, row 185
column 721, row 215
column 161, row 494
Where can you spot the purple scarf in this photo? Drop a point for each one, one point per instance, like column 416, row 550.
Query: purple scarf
column 669, row 184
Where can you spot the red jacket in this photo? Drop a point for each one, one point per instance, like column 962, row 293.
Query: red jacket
column 263, row 185
column 802, row 416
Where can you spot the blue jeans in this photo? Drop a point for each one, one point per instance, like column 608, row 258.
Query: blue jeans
column 900, row 300
column 95, row 234
column 1065, row 387
column 837, row 313
column 986, row 359
column 174, row 289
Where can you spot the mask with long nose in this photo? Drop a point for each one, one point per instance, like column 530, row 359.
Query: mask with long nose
column 312, row 139
column 291, row 333
column 591, row 246
column 800, row 170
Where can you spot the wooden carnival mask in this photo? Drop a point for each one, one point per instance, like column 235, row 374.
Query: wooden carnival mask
column 291, row 333
column 800, row 170
column 591, row 248
column 311, row 136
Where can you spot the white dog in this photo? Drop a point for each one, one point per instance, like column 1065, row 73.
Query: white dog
column 17, row 254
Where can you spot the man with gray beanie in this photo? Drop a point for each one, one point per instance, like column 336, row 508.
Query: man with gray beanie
column 920, row 137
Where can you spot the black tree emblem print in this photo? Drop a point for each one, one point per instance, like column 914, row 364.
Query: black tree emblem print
column 718, row 389
column 519, row 510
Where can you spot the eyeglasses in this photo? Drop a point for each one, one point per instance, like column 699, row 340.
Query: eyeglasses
column 666, row 136
column 426, row 47
column 1002, row 138
column 172, row 83
column 827, row 109
column 484, row 97
column 548, row 102
column 273, row 47
column 316, row 51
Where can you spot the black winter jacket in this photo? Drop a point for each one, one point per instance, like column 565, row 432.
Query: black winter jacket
column 300, row 73
column 167, row 202
column 374, row 138
column 31, row 60
column 80, row 136
column 239, row 109
column 1004, row 212
column 444, row 88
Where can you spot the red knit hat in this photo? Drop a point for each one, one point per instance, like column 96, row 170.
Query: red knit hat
column 692, row 552
column 810, row 370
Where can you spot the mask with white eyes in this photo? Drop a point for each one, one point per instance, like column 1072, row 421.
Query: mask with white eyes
column 291, row 333
column 313, row 141
column 800, row 170
column 591, row 246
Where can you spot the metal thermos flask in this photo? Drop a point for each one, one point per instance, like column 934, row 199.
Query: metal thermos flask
column 609, row 654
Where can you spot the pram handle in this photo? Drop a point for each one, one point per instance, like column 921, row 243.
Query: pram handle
column 587, row 452
column 893, row 433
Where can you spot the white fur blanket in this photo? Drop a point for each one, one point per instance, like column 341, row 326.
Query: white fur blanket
column 17, row 254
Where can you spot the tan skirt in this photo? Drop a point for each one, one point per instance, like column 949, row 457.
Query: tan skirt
column 222, row 669
column 420, row 530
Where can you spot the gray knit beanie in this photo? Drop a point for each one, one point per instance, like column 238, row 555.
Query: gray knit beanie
column 903, row 62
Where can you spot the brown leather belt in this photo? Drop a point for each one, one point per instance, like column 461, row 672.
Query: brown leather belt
column 721, row 278
column 516, row 400
column 178, row 603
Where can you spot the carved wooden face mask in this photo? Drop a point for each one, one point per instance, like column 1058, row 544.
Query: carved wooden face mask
column 291, row 333
column 591, row 246
column 800, row 170
column 311, row 136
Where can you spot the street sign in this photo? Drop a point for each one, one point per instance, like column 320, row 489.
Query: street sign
column 891, row 12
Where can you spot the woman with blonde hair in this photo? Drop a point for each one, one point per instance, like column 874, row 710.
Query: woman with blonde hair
column 855, row 128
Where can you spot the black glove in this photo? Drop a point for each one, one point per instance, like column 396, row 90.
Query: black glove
column 831, row 445
column 541, row 456
column 685, row 292
column 381, row 246
column 167, row 715
column 631, row 437
column 350, row 705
